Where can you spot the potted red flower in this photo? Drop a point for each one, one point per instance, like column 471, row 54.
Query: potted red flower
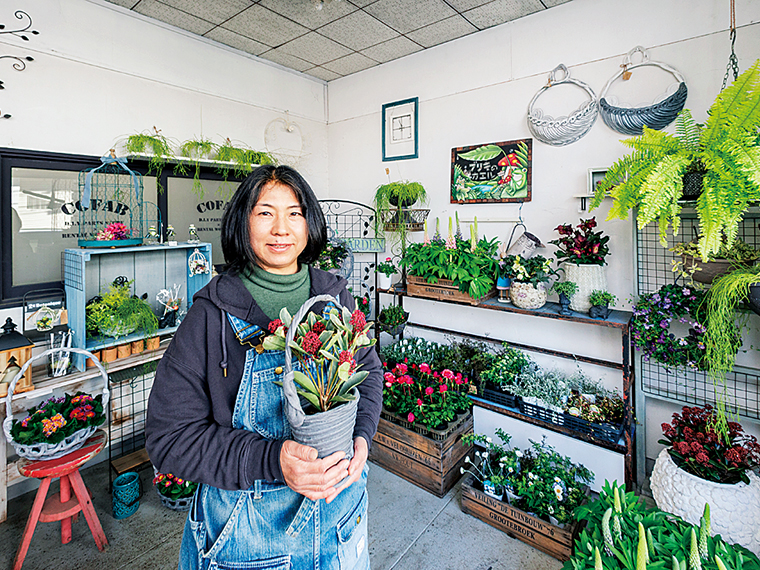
column 582, row 250
column 700, row 465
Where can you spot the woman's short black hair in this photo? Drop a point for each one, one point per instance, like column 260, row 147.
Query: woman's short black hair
column 236, row 237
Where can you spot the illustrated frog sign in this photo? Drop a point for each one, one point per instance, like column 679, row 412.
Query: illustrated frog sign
column 497, row 172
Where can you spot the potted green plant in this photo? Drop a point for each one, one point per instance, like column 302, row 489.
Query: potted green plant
column 392, row 202
column 529, row 278
column 385, row 271
column 118, row 312
column 725, row 147
column 700, row 466
column 581, row 251
column 565, row 290
column 175, row 493
column 498, row 380
column 470, row 265
column 707, row 270
column 156, row 146
column 393, row 319
column 600, row 304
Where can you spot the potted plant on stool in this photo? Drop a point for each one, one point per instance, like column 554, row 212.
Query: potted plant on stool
column 701, row 466
column 565, row 290
column 600, row 301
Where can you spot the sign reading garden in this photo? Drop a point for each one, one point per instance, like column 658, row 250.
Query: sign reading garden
column 496, row 172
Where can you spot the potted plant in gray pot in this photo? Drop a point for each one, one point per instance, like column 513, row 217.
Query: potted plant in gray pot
column 600, row 301
column 565, row 290
column 327, row 379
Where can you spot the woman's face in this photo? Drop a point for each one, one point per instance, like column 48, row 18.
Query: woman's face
column 278, row 229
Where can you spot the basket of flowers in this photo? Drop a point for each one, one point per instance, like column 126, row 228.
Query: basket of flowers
column 59, row 425
column 175, row 493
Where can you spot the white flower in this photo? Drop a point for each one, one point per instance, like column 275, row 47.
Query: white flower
column 557, row 479
column 488, row 440
column 518, row 453
column 462, row 470
column 551, row 510
column 467, row 459
column 510, row 470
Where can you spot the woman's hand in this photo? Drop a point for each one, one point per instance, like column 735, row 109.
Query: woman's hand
column 311, row 477
column 355, row 468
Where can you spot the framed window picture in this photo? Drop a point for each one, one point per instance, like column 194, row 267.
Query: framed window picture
column 400, row 130
column 595, row 176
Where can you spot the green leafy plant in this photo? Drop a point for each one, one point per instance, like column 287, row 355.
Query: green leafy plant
column 566, row 288
column 243, row 159
column 738, row 252
column 621, row 533
column 601, row 298
column 326, row 349
column 506, row 368
column 581, row 245
column 55, row 419
column 157, row 146
column 725, row 147
column 386, row 267
column 400, row 194
column 333, row 255
column 195, row 150
column 534, row 270
column 392, row 315
column 469, row 264
column 118, row 312
column 539, row 479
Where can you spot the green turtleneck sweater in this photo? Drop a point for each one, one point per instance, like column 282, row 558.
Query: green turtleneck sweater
column 272, row 292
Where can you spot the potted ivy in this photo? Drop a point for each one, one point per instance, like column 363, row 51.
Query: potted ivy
column 707, row 270
column 529, row 278
column 650, row 179
column 565, row 290
column 600, row 304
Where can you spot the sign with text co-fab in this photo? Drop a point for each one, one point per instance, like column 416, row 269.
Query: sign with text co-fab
column 494, row 172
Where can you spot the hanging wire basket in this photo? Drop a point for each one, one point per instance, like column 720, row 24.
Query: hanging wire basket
column 563, row 130
column 631, row 121
column 413, row 220
column 46, row 451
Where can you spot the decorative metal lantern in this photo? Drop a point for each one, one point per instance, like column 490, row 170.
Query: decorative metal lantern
column 15, row 350
column 110, row 205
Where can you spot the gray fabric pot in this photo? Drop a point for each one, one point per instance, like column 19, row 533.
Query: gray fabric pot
column 328, row 431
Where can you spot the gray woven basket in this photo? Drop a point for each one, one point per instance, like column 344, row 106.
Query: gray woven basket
column 328, row 431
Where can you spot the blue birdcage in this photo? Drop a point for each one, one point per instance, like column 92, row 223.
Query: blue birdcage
column 110, row 205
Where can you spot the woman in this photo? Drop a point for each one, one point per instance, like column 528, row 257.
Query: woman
column 215, row 415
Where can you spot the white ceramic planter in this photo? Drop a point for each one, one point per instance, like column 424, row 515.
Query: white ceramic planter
column 526, row 296
column 734, row 509
column 588, row 278
column 384, row 281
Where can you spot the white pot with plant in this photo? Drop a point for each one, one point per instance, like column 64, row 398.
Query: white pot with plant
column 386, row 271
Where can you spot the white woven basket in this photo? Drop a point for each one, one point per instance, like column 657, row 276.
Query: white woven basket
column 46, row 451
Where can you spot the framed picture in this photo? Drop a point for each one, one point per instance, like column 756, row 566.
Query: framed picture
column 595, row 176
column 400, row 130
column 493, row 172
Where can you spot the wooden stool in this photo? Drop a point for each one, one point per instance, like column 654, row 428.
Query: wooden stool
column 61, row 506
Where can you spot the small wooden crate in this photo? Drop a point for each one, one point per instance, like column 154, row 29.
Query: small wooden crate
column 444, row 290
column 428, row 463
column 546, row 537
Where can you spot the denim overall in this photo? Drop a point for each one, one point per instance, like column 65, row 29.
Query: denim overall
column 269, row 526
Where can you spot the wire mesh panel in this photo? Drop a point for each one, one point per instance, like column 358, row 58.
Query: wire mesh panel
column 655, row 269
column 352, row 220
column 130, row 389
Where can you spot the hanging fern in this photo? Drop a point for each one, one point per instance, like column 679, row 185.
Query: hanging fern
column 726, row 148
column 157, row 146
column 196, row 150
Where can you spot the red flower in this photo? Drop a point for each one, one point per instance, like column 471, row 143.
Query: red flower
column 419, row 402
column 347, row 356
column 442, row 388
column 358, row 320
column 311, row 343
column 429, row 390
column 448, row 374
column 702, row 458
column 410, row 418
column 424, row 368
column 318, row 328
column 401, row 368
column 389, row 377
column 274, row 325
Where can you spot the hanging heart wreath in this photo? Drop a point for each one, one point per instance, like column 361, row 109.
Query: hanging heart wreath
column 650, row 326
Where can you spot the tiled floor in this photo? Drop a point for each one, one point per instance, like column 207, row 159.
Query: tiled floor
column 409, row 529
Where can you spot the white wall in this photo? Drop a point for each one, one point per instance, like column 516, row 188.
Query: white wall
column 102, row 73
column 477, row 90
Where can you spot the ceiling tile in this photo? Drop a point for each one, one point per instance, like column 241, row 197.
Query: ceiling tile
column 350, row 64
column 125, row 3
column 215, row 12
column 358, row 31
column 362, row 3
column 305, row 13
column 552, row 3
column 237, row 41
column 265, row 26
column 500, row 11
column 392, row 49
column 462, row 5
column 315, row 48
column 286, row 60
column 443, row 31
column 407, row 15
column 172, row 16
column 322, row 73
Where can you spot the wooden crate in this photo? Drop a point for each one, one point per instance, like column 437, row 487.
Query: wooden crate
column 444, row 290
column 428, row 463
column 546, row 537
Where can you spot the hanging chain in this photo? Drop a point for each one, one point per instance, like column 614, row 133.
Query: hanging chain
column 733, row 61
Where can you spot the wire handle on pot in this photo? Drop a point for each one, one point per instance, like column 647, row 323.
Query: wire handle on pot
column 9, row 398
column 293, row 410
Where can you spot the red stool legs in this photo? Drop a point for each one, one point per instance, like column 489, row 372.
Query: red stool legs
column 31, row 523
